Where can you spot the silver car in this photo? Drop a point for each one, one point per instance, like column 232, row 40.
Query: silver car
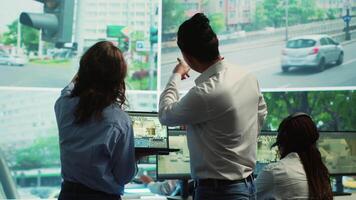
column 314, row 51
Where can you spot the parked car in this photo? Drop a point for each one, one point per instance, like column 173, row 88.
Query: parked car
column 314, row 51
column 6, row 59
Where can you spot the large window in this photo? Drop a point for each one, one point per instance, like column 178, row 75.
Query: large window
column 295, row 71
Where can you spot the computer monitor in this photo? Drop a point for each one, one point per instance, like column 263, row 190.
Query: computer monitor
column 176, row 165
column 148, row 131
column 337, row 149
column 338, row 152
column 265, row 154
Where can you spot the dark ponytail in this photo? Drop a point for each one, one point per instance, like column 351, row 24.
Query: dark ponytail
column 298, row 133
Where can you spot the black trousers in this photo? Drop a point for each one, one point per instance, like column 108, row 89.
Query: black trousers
column 77, row 191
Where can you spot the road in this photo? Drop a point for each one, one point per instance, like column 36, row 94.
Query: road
column 264, row 62
column 37, row 75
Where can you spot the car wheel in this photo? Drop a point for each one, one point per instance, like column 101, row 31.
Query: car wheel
column 285, row 69
column 321, row 66
column 340, row 60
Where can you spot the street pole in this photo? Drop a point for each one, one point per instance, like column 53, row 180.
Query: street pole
column 40, row 45
column 18, row 37
column 152, row 53
column 347, row 30
column 286, row 16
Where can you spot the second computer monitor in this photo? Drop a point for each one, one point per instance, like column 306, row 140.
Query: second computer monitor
column 265, row 154
column 176, row 165
column 337, row 149
column 148, row 131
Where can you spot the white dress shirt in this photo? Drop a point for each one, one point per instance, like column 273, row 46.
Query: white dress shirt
column 284, row 179
column 223, row 113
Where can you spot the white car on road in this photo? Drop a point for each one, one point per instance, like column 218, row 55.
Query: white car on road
column 6, row 59
column 314, row 51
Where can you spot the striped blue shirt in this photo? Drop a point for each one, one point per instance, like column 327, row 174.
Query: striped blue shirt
column 98, row 154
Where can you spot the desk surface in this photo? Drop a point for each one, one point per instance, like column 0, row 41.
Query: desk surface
column 137, row 197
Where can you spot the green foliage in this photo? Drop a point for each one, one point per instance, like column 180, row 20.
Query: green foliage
column 140, row 84
column 332, row 13
column 29, row 36
column 137, row 35
column 43, row 152
column 260, row 19
column 273, row 12
column 217, row 22
column 51, row 62
column 173, row 15
column 331, row 110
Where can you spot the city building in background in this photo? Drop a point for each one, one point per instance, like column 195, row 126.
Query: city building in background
column 93, row 17
column 339, row 5
column 233, row 12
column 250, row 36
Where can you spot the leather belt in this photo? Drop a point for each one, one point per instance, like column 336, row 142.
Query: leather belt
column 220, row 182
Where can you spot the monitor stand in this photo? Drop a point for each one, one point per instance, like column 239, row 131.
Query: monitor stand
column 184, row 191
column 339, row 187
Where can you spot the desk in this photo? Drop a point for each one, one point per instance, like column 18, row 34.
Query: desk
column 352, row 197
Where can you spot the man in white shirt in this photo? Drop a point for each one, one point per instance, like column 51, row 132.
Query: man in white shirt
column 223, row 112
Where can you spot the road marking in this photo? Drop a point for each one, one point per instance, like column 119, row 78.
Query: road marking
column 262, row 65
column 348, row 62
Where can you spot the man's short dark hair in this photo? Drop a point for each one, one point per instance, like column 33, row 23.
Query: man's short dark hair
column 196, row 38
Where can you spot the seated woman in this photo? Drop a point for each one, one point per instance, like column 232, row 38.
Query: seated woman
column 300, row 174
column 95, row 134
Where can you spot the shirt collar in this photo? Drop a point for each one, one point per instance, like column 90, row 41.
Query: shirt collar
column 213, row 69
column 292, row 155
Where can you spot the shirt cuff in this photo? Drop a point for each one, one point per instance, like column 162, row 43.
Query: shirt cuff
column 176, row 77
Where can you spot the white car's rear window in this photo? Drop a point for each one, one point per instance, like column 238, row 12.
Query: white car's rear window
column 300, row 43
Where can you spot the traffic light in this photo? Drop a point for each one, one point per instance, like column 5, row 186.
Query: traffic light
column 153, row 35
column 56, row 21
column 124, row 44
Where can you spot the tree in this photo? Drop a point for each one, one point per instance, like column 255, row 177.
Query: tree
column 332, row 13
column 274, row 12
column 173, row 15
column 217, row 22
column 29, row 36
column 300, row 11
column 329, row 109
column 43, row 152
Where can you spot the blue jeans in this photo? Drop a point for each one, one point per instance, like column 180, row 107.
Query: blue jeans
column 237, row 191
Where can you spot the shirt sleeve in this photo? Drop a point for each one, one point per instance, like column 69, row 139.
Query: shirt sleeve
column 57, row 106
column 163, row 188
column 262, row 111
column 264, row 184
column 124, row 164
column 67, row 90
column 191, row 109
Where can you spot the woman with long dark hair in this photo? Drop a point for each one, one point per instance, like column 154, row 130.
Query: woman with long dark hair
column 300, row 174
column 95, row 134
